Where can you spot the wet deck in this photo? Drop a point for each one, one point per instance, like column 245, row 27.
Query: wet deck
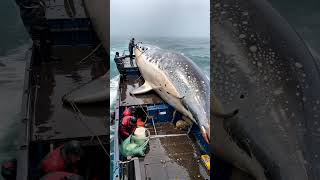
column 131, row 83
column 53, row 120
column 172, row 157
column 58, row 10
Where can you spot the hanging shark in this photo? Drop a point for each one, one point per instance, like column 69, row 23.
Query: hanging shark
column 264, row 70
column 178, row 81
column 98, row 11
column 91, row 92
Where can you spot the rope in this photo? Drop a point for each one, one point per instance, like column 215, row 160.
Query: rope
column 78, row 115
column 125, row 162
column 142, row 109
column 154, row 127
column 138, row 78
column 92, row 52
column 167, row 135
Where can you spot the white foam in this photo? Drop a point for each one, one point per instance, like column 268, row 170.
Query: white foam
column 114, row 82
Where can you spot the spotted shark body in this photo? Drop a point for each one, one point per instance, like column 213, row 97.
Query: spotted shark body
column 178, row 81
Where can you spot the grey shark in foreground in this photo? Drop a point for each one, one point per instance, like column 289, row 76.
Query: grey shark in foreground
column 264, row 70
column 178, row 81
column 92, row 92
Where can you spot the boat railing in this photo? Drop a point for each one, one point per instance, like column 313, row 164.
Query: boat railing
column 23, row 152
column 116, row 164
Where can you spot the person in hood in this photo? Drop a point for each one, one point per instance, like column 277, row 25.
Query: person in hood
column 64, row 158
column 127, row 127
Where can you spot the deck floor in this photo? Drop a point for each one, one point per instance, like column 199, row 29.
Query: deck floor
column 172, row 157
column 57, row 10
column 52, row 119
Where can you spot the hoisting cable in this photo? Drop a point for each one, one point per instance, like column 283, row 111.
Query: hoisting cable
column 92, row 52
column 78, row 116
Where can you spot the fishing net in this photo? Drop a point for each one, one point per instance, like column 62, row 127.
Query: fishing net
column 133, row 146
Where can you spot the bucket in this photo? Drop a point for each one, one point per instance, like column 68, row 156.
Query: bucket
column 140, row 132
column 139, row 136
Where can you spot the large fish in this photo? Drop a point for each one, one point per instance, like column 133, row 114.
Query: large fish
column 99, row 13
column 91, row 92
column 264, row 70
column 178, row 81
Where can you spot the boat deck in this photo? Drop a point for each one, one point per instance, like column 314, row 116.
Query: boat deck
column 57, row 10
column 172, row 155
column 53, row 120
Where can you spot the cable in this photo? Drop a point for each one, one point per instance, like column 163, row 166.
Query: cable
column 92, row 52
column 78, row 113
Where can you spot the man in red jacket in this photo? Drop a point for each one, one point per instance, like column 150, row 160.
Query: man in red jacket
column 129, row 111
column 63, row 158
column 127, row 127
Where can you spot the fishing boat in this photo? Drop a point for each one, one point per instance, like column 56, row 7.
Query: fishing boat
column 48, row 122
column 171, row 153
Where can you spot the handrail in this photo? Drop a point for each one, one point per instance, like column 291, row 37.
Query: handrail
column 23, row 153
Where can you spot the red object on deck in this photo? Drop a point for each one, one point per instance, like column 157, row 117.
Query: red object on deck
column 126, row 127
column 140, row 122
column 54, row 162
column 127, row 112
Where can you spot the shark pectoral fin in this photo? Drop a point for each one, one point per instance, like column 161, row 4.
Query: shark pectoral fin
column 142, row 89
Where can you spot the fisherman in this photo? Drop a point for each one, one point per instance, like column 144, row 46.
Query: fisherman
column 127, row 126
column 9, row 169
column 129, row 111
column 64, row 158
column 120, row 65
column 131, row 46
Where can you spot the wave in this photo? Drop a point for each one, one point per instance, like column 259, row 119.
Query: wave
column 12, row 65
column 114, row 83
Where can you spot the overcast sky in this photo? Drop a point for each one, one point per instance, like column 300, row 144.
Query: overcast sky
column 159, row 18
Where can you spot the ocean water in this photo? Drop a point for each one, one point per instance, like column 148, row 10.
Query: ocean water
column 14, row 43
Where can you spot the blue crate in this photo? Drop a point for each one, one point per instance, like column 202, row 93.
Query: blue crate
column 160, row 112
